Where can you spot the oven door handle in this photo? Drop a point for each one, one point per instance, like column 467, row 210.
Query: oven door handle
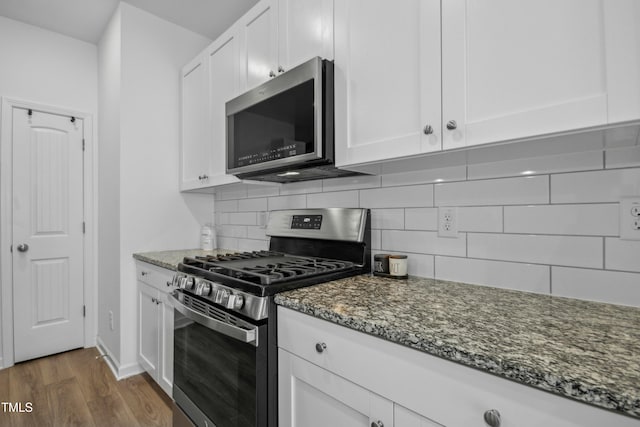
column 239, row 334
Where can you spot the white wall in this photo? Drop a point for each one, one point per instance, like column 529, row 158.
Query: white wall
column 140, row 181
column 47, row 68
column 109, row 89
column 556, row 232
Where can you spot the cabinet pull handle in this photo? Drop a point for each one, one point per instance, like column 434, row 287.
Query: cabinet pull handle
column 272, row 74
column 492, row 418
column 144, row 273
column 377, row 424
column 280, row 69
column 153, row 299
column 169, row 282
column 320, row 347
column 452, row 125
column 428, row 130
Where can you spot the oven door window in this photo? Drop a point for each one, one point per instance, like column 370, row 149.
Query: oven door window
column 219, row 374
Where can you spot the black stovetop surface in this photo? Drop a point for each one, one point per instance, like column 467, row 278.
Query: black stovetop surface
column 266, row 273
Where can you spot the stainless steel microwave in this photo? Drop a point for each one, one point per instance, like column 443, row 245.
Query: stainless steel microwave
column 283, row 130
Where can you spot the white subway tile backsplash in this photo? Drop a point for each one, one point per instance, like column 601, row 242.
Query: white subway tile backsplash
column 228, row 243
column 376, row 239
column 419, row 265
column 260, row 190
column 226, row 206
column 336, row 199
column 397, row 197
column 623, row 157
column 427, row 176
column 424, row 242
column 304, row 187
column 595, row 187
column 597, row 285
column 587, row 160
column 498, row 274
column 389, row 219
column 351, row 183
column 421, row 219
column 242, row 218
column 252, row 205
column 287, row 202
column 584, row 220
column 504, row 191
column 256, row 233
column 622, row 255
column 553, row 250
column 232, row 192
column 480, row 219
column 248, row 245
column 238, row 231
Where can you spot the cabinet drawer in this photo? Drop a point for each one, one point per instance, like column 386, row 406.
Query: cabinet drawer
column 158, row 277
column 448, row 393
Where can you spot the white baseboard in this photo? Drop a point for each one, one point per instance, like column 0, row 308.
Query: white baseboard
column 120, row 372
column 1, row 363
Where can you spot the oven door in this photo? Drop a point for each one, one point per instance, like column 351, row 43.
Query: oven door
column 220, row 365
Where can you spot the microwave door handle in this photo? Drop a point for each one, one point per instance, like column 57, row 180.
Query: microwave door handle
column 239, row 334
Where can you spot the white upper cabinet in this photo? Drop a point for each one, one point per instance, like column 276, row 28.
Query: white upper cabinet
column 387, row 79
column 224, row 83
column 278, row 35
column 509, row 71
column 195, row 147
column 518, row 69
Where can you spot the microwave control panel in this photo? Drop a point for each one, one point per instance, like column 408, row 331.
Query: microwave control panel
column 306, row 222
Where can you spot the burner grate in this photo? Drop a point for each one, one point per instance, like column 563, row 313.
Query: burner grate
column 267, row 267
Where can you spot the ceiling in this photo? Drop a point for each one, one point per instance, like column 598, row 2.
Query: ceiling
column 86, row 19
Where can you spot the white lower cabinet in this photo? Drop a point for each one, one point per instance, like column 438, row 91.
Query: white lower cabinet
column 358, row 379
column 314, row 397
column 155, row 324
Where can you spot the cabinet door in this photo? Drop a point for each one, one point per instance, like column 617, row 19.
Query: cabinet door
column 195, row 149
column 305, row 30
column 148, row 329
column 518, row 69
column 224, row 84
column 165, row 373
column 387, row 79
column 310, row 396
column 259, row 30
column 406, row 418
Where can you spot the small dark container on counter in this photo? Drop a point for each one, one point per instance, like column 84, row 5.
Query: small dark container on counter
column 381, row 263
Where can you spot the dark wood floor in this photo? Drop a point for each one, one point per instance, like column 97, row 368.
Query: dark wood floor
column 76, row 389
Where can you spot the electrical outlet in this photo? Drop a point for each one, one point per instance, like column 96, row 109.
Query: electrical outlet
column 111, row 320
column 630, row 218
column 448, row 222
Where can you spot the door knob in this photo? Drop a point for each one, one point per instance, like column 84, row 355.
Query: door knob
column 492, row 418
column 23, row 247
column 451, row 125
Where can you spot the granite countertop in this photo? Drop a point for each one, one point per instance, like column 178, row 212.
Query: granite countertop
column 171, row 259
column 578, row 349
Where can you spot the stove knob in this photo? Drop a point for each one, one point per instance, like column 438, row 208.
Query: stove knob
column 239, row 302
column 203, row 288
column 176, row 280
column 182, row 282
column 235, row 302
column 222, row 297
column 190, row 283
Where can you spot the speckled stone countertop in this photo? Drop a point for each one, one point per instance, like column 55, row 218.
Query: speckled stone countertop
column 171, row 259
column 578, row 349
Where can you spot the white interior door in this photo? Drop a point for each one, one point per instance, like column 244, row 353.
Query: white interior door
column 47, row 234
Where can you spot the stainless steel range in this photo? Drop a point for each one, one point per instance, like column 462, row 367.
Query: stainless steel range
column 225, row 343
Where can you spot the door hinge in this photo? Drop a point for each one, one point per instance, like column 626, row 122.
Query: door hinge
column 84, row 311
column 82, row 144
column 11, row 248
column 84, row 227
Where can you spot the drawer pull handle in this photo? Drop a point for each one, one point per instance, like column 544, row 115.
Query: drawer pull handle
column 492, row 418
column 144, row 273
column 320, row 347
column 169, row 282
column 377, row 424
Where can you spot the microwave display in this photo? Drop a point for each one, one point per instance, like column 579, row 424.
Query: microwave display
column 281, row 126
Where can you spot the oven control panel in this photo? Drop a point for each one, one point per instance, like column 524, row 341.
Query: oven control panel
column 306, row 222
